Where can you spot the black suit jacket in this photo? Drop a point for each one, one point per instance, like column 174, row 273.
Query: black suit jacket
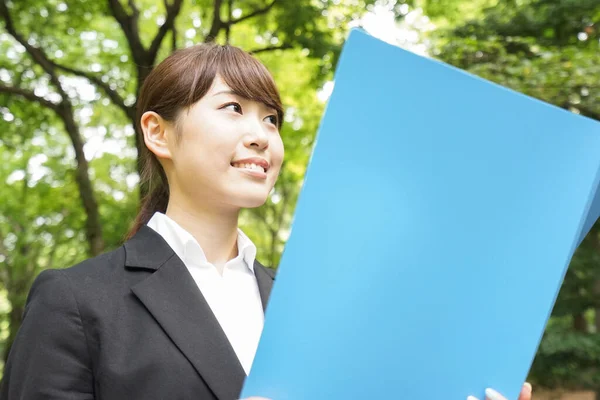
column 129, row 324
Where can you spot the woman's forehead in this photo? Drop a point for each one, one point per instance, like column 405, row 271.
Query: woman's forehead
column 219, row 85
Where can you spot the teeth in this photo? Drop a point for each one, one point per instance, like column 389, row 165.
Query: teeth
column 249, row 166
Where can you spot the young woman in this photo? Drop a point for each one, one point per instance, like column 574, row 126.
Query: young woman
column 177, row 311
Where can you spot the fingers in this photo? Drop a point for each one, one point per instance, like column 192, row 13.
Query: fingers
column 526, row 392
column 491, row 394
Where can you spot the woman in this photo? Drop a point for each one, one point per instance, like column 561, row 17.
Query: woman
column 177, row 311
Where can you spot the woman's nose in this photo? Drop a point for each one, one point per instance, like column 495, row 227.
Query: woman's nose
column 256, row 137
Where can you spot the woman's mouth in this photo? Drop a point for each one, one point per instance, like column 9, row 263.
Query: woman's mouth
column 249, row 166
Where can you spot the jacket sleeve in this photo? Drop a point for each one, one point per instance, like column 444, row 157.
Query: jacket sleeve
column 49, row 358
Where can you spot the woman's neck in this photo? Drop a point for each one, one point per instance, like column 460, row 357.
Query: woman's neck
column 215, row 230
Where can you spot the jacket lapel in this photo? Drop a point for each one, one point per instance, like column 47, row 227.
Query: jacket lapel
column 264, row 279
column 173, row 298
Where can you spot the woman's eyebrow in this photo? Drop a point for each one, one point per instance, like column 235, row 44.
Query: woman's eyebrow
column 225, row 92
column 268, row 107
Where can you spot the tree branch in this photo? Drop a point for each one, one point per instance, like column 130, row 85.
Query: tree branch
column 129, row 25
column 134, row 10
column 216, row 24
column 114, row 96
column 173, row 39
column 270, row 48
column 228, row 26
column 50, row 66
column 134, row 18
column 173, row 30
column 253, row 14
column 38, row 55
column 172, row 12
column 119, row 12
column 26, row 94
column 65, row 110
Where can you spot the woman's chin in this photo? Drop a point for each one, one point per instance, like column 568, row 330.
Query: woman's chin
column 251, row 201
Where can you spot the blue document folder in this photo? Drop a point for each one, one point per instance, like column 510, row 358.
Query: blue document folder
column 438, row 216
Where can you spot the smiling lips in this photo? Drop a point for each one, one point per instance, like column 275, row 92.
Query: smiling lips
column 252, row 164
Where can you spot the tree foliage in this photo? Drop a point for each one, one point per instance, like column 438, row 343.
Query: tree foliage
column 547, row 49
column 70, row 73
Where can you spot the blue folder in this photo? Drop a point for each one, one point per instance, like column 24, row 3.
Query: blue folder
column 438, row 216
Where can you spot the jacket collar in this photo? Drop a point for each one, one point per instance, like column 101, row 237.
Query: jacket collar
column 173, row 298
column 147, row 250
column 188, row 249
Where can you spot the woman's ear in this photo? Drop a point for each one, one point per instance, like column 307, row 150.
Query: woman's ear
column 156, row 134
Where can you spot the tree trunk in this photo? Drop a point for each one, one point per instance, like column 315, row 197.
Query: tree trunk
column 93, row 226
column 579, row 323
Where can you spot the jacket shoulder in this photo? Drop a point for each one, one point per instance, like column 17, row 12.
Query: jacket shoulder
column 269, row 271
column 101, row 265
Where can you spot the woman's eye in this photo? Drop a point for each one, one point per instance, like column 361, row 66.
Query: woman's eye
column 234, row 107
column 272, row 119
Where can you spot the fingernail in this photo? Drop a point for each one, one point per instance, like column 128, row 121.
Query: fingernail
column 528, row 387
column 491, row 394
column 472, row 398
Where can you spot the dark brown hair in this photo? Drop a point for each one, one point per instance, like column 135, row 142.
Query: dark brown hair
column 176, row 84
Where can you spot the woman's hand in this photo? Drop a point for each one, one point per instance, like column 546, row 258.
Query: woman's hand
column 491, row 394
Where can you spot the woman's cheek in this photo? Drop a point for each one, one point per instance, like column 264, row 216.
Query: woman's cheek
column 280, row 150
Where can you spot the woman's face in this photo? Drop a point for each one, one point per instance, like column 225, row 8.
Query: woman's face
column 228, row 152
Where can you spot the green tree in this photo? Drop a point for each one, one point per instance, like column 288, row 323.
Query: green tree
column 73, row 70
column 548, row 49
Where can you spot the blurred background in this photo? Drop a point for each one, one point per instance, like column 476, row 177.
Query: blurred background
column 70, row 71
